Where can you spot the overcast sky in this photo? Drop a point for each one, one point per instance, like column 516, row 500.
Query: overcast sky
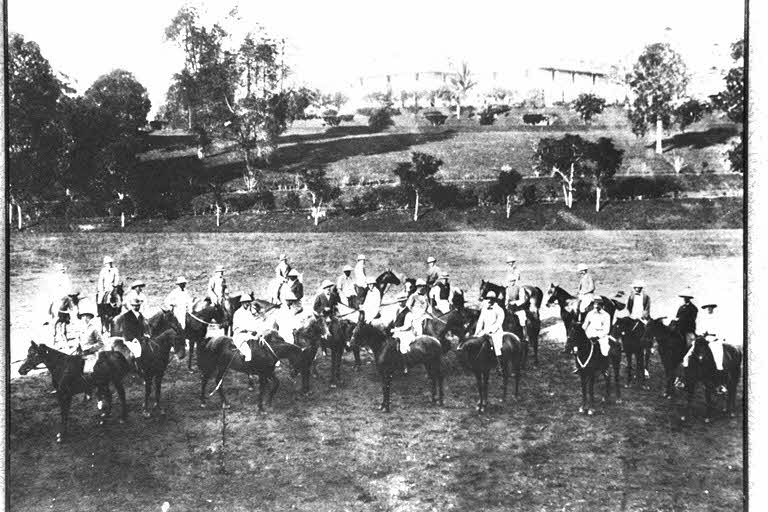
column 329, row 42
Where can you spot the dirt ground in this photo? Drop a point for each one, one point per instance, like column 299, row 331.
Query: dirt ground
column 332, row 450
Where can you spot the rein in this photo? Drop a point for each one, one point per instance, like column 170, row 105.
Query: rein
column 589, row 358
column 200, row 319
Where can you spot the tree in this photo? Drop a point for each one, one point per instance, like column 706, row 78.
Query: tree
column 335, row 100
column 299, row 100
column 732, row 101
column 122, row 98
column 565, row 157
column 689, row 112
column 418, row 175
column 320, row 189
column 658, row 80
column 588, row 106
column 506, row 184
column 461, row 83
column 604, row 160
column 380, row 120
column 38, row 141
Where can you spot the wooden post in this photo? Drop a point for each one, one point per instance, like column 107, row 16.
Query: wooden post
column 18, row 214
column 597, row 198
column 659, row 135
column 10, row 214
column 122, row 219
column 416, row 208
column 218, row 214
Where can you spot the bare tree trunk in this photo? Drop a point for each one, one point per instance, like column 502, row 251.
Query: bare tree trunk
column 122, row 219
column 218, row 215
column 565, row 195
column 598, row 190
column 509, row 205
column 189, row 116
column 458, row 109
column 416, row 208
column 10, row 214
column 18, row 214
column 659, row 135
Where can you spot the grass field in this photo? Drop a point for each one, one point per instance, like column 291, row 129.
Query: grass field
column 332, row 450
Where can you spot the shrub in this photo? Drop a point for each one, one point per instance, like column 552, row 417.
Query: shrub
column 347, row 118
column 487, row 117
column 366, row 111
column 534, row 119
column 435, row 117
column 647, row 187
column 255, row 200
column 529, row 195
column 450, row 196
column 582, row 191
column 380, row 120
column 385, row 197
column 292, row 201
column 358, row 206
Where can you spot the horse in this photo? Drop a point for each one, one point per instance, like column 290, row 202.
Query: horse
column 631, row 334
column 219, row 354
column 197, row 323
column 69, row 378
column 164, row 320
column 591, row 361
column 531, row 331
column 672, row 348
column 701, row 368
column 569, row 305
column 108, row 309
column 477, row 355
column 424, row 350
column 154, row 359
column 59, row 310
column 340, row 331
column 439, row 327
column 534, row 293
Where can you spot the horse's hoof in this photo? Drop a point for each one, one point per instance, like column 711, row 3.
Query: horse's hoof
column 619, row 401
column 590, row 412
column 121, row 421
column 626, row 386
column 146, row 414
column 647, row 375
column 225, row 406
column 707, row 420
column 581, row 410
column 202, row 405
column 251, row 388
column 646, row 388
column 682, row 418
column 333, row 386
column 58, row 438
column 101, row 423
column 731, row 414
column 668, row 397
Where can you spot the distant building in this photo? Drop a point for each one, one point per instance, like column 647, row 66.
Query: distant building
column 549, row 84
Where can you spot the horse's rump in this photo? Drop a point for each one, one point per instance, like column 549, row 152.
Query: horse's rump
column 732, row 356
column 218, row 343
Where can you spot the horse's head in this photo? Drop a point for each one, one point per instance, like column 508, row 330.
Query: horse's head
column 576, row 336
column 179, row 346
column 483, row 287
column 316, row 329
column 621, row 327
column 655, row 330
column 552, row 294
column 117, row 291
column 171, row 321
column 702, row 355
column 35, row 356
column 387, row 277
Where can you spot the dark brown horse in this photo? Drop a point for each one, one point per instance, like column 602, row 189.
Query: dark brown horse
column 569, row 305
column 631, row 334
column 531, row 331
column 153, row 361
column 672, row 348
column 197, row 322
column 69, row 379
column 164, row 320
column 590, row 361
column 476, row 354
column 218, row 355
column 452, row 323
column 424, row 350
column 701, row 368
column 339, row 333
column 109, row 307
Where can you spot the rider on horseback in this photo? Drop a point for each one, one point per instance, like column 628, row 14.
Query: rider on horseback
column 90, row 335
column 217, row 287
column 180, row 301
column 325, row 302
column 586, row 291
column 109, row 278
column 413, row 323
column 346, row 287
column 490, row 323
column 245, row 326
column 433, row 272
column 597, row 325
column 512, row 280
column 708, row 326
column 137, row 292
column 686, row 318
column 639, row 303
column 361, row 280
column 372, row 301
column 442, row 294
column 282, row 268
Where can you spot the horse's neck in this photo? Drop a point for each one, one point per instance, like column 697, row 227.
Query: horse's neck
column 56, row 362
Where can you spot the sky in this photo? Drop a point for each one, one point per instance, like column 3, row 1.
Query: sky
column 330, row 42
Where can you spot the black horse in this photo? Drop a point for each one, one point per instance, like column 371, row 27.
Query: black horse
column 424, row 350
column 534, row 292
column 339, row 333
column 109, row 307
column 197, row 323
column 701, row 368
column 153, row 361
column 69, row 379
column 569, row 305
column 164, row 320
column 477, row 355
column 454, row 323
column 531, row 331
column 217, row 355
column 590, row 361
column 672, row 348
column 631, row 334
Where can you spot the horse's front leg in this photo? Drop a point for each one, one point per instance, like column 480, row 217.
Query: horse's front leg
column 690, row 388
column 433, row 380
column 275, row 385
column 358, row 361
column 191, row 353
column 262, row 389
column 65, row 401
column 479, row 379
column 616, row 362
column 158, row 383
column 147, row 393
column 220, row 383
column 629, row 369
column 583, row 378
column 708, row 400
column 120, row 388
column 591, row 387
column 505, row 380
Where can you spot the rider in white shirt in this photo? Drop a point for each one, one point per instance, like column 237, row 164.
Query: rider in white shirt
column 180, row 301
column 597, row 324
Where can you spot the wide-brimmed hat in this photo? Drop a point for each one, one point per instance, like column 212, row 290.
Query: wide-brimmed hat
column 138, row 282
column 282, row 257
column 108, row 259
column 431, row 259
column 75, row 293
column 401, row 297
column 245, row 297
column 135, row 302
column 598, row 300
column 710, row 304
column 638, row 283
column 219, row 268
column 360, row 257
column 581, row 267
column 490, row 294
column 444, row 275
column 511, row 259
column 59, row 266
column 421, row 282
column 347, row 268
column 293, row 273
column 181, row 280
column 686, row 293
column 326, row 284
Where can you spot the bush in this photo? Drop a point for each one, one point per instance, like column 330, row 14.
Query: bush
column 435, row 117
column 647, row 187
column 366, row 111
column 380, row 120
column 529, row 195
column 583, row 191
column 358, row 206
column 385, row 197
column 487, row 117
column 347, row 118
column 534, row 119
column 256, row 200
column 292, row 201
column 450, row 196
